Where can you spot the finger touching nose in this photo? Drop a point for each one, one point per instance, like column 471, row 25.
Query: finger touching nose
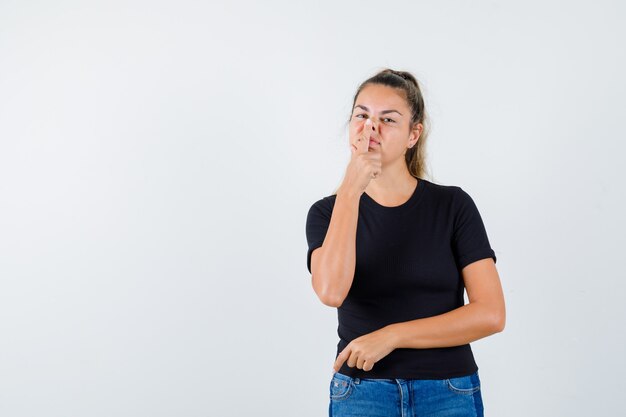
column 370, row 123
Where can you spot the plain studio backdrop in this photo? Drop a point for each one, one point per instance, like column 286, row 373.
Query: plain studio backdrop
column 158, row 159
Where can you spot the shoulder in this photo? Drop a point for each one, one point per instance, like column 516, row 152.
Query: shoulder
column 442, row 192
column 323, row 206
column 451, row 198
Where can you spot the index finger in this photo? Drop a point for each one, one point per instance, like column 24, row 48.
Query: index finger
column 345, row 353
column 363, row 144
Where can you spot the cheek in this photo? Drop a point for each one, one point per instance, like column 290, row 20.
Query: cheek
column 354, row 127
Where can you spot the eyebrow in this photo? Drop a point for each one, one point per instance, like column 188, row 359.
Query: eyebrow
column 382, row 112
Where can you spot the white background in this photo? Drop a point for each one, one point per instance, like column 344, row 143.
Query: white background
column 158, row 159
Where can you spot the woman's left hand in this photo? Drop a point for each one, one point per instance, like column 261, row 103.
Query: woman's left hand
column 366, row 350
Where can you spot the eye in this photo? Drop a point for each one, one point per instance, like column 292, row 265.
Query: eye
column 386, row 118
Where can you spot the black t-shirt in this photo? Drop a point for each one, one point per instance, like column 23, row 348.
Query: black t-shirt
column 408, row 266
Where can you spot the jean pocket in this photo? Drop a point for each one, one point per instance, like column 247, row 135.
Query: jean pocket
column 341, row 387
column 468, row 384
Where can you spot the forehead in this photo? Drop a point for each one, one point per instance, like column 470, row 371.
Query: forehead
column 376, row 96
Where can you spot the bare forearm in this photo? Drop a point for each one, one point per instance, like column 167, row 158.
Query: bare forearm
column 338, row 255
column 460, row 326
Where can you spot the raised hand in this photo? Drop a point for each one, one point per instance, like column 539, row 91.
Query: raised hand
column 365, row 162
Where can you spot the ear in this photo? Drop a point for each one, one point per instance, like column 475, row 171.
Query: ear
column 416, row 132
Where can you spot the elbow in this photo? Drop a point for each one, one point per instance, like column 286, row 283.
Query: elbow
column 331, row 300
column 493, row 317
column 329, row 297
column 498, row 322
column 326, row 293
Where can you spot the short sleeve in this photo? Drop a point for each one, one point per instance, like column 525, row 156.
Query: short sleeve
column 469, row 238
column 317, row 222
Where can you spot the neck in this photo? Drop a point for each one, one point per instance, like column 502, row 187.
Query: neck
column 393, row 181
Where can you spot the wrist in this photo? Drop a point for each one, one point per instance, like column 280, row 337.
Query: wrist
column 346, row 193
column 394, row 335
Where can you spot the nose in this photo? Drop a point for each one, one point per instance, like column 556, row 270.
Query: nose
column 373, row 124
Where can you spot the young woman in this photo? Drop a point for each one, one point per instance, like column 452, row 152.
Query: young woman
column 394, row 252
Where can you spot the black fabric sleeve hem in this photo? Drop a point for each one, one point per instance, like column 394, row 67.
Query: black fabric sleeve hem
column 476, row 256
column 310, row 252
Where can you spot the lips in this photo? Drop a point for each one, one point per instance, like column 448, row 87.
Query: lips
column 374, row 140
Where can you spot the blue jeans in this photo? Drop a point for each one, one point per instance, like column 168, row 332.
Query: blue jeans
column 453, row 397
